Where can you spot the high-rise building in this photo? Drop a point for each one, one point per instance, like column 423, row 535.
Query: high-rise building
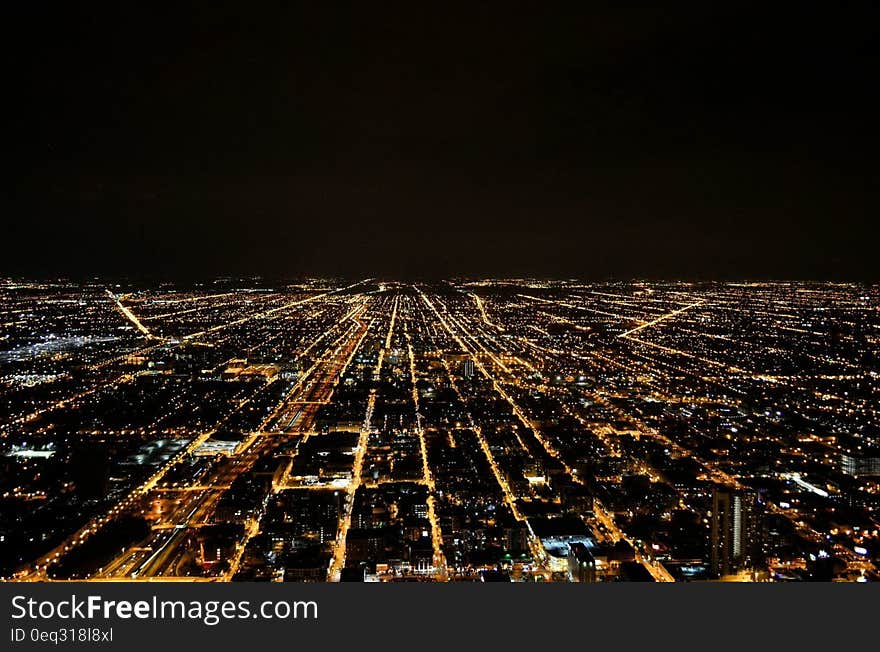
column 861, row 463
column 736, row 531
column 467, row 369
column 581, row 564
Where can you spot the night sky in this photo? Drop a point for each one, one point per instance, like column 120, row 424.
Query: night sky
column 675, row 140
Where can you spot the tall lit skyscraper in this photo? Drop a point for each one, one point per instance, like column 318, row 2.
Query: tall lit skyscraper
column 736, row 531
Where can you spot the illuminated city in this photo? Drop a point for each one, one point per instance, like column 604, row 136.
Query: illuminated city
column 512, row 430
column 301, row 298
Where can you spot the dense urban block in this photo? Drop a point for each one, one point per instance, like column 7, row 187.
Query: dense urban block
column 508, row 430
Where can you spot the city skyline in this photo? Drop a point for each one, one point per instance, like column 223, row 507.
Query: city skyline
column 385, row 293
column 494, row 430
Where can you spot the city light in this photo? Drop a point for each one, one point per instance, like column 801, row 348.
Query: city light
column 502, row 429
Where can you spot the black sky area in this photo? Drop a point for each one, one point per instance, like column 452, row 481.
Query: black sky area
column 669, row 140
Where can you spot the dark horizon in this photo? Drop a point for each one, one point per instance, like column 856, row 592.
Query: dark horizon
column 188, row 281
column 674, row 143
